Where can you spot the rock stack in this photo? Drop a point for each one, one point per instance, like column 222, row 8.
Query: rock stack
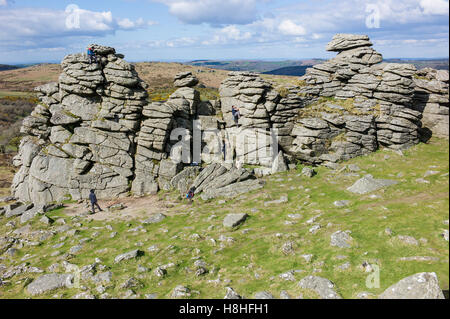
column 431, row 98
column 262, row 109
column 185, row 79
column 95, row 129
column 360, row 103
column 81, row 135
column 158, row 159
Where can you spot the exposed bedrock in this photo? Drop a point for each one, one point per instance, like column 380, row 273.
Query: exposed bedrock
column 96, row 129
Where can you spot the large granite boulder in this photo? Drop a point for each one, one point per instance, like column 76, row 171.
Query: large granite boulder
column 418, row 286
column 431, row 98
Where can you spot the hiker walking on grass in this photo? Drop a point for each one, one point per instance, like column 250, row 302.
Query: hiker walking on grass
column 236, row 115
column 190, row 194
column 91, row 55
column 94, row 202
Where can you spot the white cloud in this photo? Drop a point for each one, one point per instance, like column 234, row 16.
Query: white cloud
column 180, row 42
column 4, row 3
column 228, row 34
column 288, row 27
column 127, row 24
column 439, row 7
column 214, row 12
column 34, row 27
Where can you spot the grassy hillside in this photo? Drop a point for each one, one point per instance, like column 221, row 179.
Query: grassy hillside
column 5, row 67
column 251, row 257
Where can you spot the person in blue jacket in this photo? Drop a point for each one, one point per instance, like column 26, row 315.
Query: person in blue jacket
column 91, row 55
column 94, row 202
column 190, row 194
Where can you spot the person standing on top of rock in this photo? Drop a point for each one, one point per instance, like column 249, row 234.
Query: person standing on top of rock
column 236, row 115
column 94, row 202
column 91, row 55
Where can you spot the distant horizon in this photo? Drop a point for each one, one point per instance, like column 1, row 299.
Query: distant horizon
column 221, row 60
column 181, row 30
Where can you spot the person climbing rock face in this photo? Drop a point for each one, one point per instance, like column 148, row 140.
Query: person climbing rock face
column 91, row 55
column 94, row 202
column 236, row 115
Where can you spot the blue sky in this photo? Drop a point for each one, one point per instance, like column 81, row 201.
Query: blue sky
column 181, row 30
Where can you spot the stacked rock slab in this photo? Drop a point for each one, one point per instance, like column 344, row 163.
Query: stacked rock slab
column 81, row 134
column 431, row 98
column 218, row 181
column 361, row 103
column 262, row 109
column 159, row 153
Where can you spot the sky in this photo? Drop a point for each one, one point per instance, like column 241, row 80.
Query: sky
column 33, row 31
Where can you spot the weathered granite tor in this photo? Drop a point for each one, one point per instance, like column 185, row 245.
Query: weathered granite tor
column 95, row 128
column 378, row 109
column 81, row 135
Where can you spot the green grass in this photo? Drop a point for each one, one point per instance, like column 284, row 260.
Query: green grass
column 408, row 208
column 16, row 94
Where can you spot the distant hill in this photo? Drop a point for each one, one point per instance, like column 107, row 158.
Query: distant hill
column 257, row 66
column 5, row 67
column 290, row 70
column 438, row 64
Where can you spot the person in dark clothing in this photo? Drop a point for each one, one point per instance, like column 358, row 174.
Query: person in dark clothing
column 94, row 202
column 190, row 194
column 224, row 150
column 91, row 55
column 236, row 115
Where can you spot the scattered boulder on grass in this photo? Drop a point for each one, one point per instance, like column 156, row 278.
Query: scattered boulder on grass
column 127, row 256
column 341, row 203
column 231, row 294
column 263, row 295
column 155, row 218
column 423, row 285
column 233, row 220
column 49, row 282
column 322, row 286
column 281, row 200
column 407, row 240
column 341, row 239
column 368, row 184
column 308, row 172
column 181, row 291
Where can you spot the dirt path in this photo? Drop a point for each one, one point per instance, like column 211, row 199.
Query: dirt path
column 135, row 208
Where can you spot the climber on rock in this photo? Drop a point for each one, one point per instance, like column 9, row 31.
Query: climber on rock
column 91, row 55
column 236, row 115
column 94, row 202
